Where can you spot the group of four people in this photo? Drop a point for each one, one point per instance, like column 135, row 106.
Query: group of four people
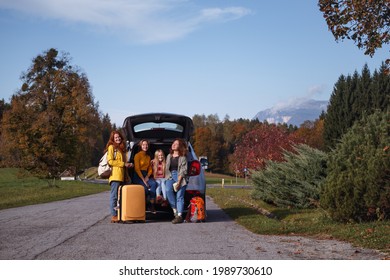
column 164, row 178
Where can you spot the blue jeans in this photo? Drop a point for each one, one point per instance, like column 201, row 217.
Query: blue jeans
column 114, row 197
column 176, row 200
column 161, row 189
column 151, row 191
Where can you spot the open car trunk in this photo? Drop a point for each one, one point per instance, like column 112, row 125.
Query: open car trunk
column 158, row 127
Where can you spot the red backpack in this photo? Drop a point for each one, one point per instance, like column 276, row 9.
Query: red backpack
column 196, row 212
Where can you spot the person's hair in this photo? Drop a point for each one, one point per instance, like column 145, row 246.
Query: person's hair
column 156, row 161
column 111, row 141
column 182, row 147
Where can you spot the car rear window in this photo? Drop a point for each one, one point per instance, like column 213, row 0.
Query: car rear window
column 158, row 126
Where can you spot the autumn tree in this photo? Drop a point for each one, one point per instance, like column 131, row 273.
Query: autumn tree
column 233, row 131
column 3, row 107
column 311, row 133
column 365, row 22
column 261, row 145
column 199, row 120
column 217, row 139
column 208, row 141
column 106, row 128
column 203, row 138
column 53, row 122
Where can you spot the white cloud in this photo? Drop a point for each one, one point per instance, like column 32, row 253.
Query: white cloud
column 230, row 13
column 312, row 93
column 145, row 21
column 315, row 91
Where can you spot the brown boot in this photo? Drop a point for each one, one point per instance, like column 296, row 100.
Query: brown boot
column 114, row 219
column 153, row 209
column 177, row 220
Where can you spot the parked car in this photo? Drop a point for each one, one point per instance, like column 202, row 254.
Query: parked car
column 204, row 162
column 161, row 129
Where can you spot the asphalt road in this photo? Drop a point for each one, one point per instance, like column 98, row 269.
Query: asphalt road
column 80, row 228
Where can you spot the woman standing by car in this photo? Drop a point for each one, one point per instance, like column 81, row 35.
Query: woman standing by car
column 143, row 172
column 176, row 184
column 116, row 154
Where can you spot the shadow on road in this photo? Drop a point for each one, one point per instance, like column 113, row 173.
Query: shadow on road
column 213, row 216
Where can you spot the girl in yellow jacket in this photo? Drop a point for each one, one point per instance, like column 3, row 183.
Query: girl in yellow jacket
column 143, row 173
column 116, row 158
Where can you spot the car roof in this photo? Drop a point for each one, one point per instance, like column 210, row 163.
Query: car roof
column 162, row 127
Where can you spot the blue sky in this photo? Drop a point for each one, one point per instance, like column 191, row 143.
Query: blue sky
column 187, row 57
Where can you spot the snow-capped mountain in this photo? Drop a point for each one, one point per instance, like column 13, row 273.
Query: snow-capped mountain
column 294, row 114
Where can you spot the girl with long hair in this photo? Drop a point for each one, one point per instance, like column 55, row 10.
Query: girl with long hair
column 116, row 157
column 158, row 164
column 143, row 173
column 176, row 174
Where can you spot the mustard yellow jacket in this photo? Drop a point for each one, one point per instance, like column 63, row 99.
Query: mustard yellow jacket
column 142, row 163
column 118, row 165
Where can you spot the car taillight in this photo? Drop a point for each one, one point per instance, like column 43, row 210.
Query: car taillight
column 194, row 168
column 193, row 193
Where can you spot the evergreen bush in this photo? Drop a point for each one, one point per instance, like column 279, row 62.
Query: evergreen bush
column 295, row 182
column 357, row 187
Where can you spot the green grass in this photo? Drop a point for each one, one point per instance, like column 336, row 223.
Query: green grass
column 90, row 173
column 20, row 188
column 216, row 179
column 238, row 204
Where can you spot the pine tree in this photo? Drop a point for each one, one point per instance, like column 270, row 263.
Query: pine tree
column 332, row 126
column 358, row 183
column 295, row 182
column 353, row 96
column 380, row 88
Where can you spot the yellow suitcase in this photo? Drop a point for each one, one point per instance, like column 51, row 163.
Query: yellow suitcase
column 131, row 203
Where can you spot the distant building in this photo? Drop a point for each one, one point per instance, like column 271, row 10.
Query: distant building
column 68, row 175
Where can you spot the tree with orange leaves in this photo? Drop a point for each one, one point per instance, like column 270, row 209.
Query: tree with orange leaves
column 53, row 122
column 366, row 22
